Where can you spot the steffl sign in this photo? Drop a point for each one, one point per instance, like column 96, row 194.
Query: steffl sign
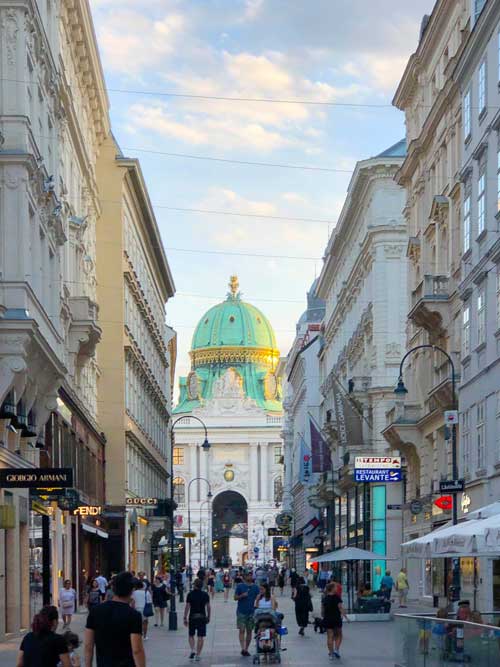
column 39, row 478
column 377, row 462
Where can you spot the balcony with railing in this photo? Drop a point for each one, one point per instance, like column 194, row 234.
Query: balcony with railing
column 430, row 300
column 402, row 426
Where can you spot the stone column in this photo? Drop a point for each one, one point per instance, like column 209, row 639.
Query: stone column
column 254, row 471
column 264, row 472
column 193, row 472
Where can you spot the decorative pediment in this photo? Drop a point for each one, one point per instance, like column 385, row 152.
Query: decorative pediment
column 439, row 208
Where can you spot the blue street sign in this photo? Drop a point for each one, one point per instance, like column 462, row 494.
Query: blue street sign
column 256, row 550
column 377, row 475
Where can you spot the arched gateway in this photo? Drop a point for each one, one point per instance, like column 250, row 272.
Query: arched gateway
column 229, row 528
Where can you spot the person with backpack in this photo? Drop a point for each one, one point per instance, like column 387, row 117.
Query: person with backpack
column 42, row 646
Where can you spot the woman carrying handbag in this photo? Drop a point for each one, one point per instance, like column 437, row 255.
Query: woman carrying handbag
column 143, row 603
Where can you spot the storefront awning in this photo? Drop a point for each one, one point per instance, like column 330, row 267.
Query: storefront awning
column 95, row 530
column 475, row 537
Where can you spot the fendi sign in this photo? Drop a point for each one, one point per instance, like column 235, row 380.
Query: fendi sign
column 39, row 478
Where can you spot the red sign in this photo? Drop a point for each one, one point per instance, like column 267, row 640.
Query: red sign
column 444, row 502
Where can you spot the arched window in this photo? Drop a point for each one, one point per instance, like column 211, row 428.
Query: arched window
column 278, row 490
column 179, row 490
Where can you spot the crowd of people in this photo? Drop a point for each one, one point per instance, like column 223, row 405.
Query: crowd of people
column 119, row 612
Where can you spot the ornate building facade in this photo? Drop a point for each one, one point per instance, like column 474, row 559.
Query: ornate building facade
column 137, row 355
column 53, row 119
column 363, row 285
column 302, row 403
column 430, row 175
column 230, row 492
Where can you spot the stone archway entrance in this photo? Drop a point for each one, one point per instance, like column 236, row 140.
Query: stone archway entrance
column 229, row 528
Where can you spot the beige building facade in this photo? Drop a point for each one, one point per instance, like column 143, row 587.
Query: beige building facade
column 137, row 357
column 53, row 119
column 430, row 175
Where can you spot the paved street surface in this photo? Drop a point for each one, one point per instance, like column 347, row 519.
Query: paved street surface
column 365, row 644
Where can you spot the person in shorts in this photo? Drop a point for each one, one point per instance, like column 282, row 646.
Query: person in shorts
column 245, row 594
column 196, row 618
column 332, row 613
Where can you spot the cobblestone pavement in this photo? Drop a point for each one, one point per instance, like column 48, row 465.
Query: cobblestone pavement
column 365, row 644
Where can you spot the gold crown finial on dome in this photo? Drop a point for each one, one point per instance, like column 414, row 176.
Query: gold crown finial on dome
column 234, row 285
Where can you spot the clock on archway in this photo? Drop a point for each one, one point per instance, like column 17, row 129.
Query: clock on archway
column 228, row 475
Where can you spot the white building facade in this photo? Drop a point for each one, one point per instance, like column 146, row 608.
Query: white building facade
column 363, row 285
column 230, row 493
column 478, row 75
column 301, row 404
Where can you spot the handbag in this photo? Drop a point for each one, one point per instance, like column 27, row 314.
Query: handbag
column 148, row 607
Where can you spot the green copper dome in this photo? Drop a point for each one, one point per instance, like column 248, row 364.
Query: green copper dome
column 234, row 323
column 233, row 344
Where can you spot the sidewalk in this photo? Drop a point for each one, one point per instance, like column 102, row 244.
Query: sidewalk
column 366, row 644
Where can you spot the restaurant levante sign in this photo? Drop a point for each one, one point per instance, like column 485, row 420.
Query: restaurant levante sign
column 38, row 478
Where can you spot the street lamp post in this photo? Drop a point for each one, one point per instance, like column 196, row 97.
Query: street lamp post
column 205, row 502
column 209, row 495
column 172, row 616
column 402, row 390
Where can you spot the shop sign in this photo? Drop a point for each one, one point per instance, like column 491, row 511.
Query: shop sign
column 284, row 520
column 141, row 502
column 88, row 510
column 416, row 507
column 465, row 502
column 189, row 535
column 395, row 506
column 444, row 502
column 451, row 485
column 279, row 532
column 39, row 478
column 377, row 475
column 377, row 462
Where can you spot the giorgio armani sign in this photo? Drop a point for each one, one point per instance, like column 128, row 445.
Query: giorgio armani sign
column 38, row 478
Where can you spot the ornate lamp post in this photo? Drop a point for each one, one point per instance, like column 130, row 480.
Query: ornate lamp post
column 209, row 495
column 172, row 616
column 401, row 390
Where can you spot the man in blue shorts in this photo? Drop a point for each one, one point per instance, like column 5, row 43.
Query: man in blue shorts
column 245, row 594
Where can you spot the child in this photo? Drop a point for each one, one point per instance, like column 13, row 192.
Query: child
column 73, row 642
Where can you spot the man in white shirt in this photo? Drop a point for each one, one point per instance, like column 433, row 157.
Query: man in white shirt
column 102, row 583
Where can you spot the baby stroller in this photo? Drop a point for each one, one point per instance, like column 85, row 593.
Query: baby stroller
column 268, row 631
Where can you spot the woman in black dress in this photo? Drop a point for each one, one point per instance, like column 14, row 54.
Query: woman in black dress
column 332, row 612
column 43, row 646
column 303, row 604
column 281, row 580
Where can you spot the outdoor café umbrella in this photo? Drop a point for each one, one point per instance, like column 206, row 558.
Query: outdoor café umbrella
column 349, row 555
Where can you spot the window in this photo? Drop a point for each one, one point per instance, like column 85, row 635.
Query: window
column 478, row 8
column 481, row 202
column 482, row 87
column 498, row 180
column 278, row 455
column 481, row 315
column 465, row 442
column 498, row 425
column 480, row 433
column 467, row 223
column 178, row 456
column 467, row 115
column 466, row 331
column 498, row 296
column 498, row 55
column 179, row 490
column 278, row 490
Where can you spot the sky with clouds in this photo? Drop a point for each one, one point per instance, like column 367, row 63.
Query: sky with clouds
column 341, row 51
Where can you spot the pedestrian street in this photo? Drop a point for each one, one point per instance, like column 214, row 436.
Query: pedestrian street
column 365, row 644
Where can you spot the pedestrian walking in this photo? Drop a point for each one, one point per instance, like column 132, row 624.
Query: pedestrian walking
column 160, row 599
column 265, row 599
column 180, row 583
column 322, row 579
column 301, row 595
column 114, row 629
column 93, row 594
column 211, row 583
column 402, row 587
column 143, row 603
column 196, row 617
column 294, row 578
column 245, row 594
column 226, row 581
column 42, row 646
column 67, row 603
column 281, row 580
column 72, row 642
column 273, row 578
column 387, row 584
column 333, row 612
column 102, row 583
column 219, row 585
